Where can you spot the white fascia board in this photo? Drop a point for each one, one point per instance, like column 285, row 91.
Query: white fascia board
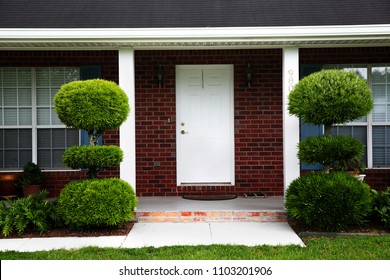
column 197, row 34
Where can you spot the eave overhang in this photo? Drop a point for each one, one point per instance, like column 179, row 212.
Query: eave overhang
column 196, row 38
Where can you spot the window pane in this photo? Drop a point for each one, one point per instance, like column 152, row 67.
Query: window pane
column 381, row 146
column 358, row 132
column 43, row 97
column 15, row 148
column 24, row 97
column 25, row 116
column 43, row 116
column 52, row 143
column 58, row 137
column 379, row 75
column 44, row 138
column 10, row 96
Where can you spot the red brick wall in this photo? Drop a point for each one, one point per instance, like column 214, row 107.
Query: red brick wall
column 376, row 178
column 258, row 121
column 108, row 60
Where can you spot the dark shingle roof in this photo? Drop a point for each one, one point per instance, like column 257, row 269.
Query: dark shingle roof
column 185, row 13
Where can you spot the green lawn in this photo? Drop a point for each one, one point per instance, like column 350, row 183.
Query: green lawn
column 337, row 248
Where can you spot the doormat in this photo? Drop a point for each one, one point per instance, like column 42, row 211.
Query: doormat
column 209, row 197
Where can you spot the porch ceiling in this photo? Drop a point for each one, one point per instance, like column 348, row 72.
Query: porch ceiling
column 182, row 38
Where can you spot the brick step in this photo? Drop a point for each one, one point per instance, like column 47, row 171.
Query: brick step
column 211, row 216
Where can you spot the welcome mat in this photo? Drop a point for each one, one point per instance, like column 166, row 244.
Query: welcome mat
column 209, row 197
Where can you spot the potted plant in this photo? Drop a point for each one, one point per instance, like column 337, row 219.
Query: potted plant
column 31, row 179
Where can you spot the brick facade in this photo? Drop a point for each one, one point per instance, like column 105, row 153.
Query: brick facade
column 258, row 121
column 257, row 113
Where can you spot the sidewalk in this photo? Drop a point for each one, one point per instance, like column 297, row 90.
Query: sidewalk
column 168, row 234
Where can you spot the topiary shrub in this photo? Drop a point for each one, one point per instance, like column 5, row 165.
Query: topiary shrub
column 329, row 201
column 332, row 151
column 330, row 97
column 381, row 205
column 93, row 105
column 97, row 203
column 94, row 158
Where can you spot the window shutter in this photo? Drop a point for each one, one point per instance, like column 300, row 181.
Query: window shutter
column 88, row 72
column 307, row 130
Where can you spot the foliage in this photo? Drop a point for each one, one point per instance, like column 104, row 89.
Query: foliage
column 93, row 105
column 337, row 152
column 32, row 175
column 33, row 211
column 329, row 201
column 381, row 205
column 94, row 158
column 95, row 203
column 330, row 97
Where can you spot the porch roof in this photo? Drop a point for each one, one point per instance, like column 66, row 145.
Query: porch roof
column 174, row 24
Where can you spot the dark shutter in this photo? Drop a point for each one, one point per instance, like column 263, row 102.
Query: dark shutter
column 307, row 130
column 88, row 72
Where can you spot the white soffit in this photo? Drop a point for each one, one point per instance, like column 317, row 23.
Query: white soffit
column 166, row 38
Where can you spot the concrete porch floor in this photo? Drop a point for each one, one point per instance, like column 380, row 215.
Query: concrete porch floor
column 272, row 203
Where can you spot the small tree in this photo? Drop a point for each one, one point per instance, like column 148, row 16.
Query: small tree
column 327, row 98
column 95, row 106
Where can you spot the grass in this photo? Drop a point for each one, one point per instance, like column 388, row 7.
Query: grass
column 319, row 248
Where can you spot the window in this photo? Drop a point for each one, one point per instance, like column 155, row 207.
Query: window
column 373, row 130
column 29, row 127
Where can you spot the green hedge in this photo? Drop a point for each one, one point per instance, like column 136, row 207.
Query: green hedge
column 382, row 207
column 330, row 97
column 334, row 151
column 93, row 105
column 329, row 201
column 97, row 203
column 93, row 156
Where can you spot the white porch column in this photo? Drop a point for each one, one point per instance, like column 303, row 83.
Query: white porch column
column 127, row 129
column 290, row 123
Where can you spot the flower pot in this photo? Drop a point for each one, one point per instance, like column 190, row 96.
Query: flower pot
column 31, row 189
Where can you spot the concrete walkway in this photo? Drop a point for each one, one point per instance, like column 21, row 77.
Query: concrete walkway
column 168, row 234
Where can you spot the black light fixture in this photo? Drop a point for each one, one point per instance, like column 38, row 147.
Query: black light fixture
column 248, row 74
column 160, row 76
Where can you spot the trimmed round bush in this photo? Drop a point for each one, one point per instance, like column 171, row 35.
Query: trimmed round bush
column 330, row 97
column 93, row 158
column 94, row 203
column 334, row 151
column 93, row 105
column 329, row 201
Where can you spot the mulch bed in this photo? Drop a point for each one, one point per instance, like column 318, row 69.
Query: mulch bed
column 66, row 232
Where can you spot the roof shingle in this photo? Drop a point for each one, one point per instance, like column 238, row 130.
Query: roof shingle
column 185, row 13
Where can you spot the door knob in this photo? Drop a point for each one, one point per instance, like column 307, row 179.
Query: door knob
column 183, row 131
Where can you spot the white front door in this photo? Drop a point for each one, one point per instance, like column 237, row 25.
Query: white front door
column 205, row 122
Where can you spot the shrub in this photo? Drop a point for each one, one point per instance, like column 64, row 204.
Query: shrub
column 334, row 151
column 381, row 205
column 97, row 203
column 94, row 105
column 33, row 212
column 330, row 97
column 329, row 201
column 94, row 158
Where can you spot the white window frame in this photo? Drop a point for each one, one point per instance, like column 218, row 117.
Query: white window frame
column 34, row 122
column 369, row 124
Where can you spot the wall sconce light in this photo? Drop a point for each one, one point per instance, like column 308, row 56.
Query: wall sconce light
column 248, row 75
column 160, row 76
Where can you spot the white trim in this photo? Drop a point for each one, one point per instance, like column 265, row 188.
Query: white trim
column 291, row 168
column 127, row 129
column 195, row 37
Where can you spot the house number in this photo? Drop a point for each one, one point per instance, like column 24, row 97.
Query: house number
column 290, row 80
